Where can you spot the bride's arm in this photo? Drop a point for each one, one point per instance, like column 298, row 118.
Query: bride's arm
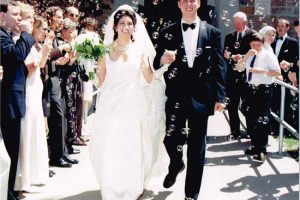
column 146, row 69
column 101, row 70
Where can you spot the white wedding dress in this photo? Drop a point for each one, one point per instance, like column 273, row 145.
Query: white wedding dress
column 33, row 168
column 127, row 129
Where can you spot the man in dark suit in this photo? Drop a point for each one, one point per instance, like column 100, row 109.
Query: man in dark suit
column 236, row 45
column 287, row 51
column 57, row 123
column 285, row 48
column 195, row 88
column 13, row 84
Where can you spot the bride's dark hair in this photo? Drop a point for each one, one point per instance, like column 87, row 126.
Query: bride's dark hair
column 118, row 15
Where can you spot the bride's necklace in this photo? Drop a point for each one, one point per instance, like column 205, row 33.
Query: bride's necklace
column 121, row 48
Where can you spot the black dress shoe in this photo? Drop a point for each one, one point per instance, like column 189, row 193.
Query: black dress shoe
column 232, row 137
column 60, row 163
column 251, row 151
column 189, row 198
column 51, row 173
column 13, row 195
column 170, row 179
column 70, row 160
column 72, row 150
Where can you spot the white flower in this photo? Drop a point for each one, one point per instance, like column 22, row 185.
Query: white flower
column 89, row 47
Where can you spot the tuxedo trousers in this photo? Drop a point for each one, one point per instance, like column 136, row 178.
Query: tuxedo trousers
column 11, row 135
column 57, row 123
column 178, row 112
column 259, row 100
column 236, row 87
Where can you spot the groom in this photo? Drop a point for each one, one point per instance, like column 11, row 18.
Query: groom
column 195, row 87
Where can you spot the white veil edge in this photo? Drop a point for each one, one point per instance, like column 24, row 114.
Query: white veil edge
column 140, row 35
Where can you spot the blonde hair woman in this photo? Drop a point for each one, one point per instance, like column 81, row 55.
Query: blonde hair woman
column 33, row 153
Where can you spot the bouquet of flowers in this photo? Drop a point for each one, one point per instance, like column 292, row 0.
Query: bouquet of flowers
column 89, row 48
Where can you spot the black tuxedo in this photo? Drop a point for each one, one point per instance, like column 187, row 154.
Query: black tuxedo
column 13, row 88
column 191, row 95
column 236, row 80
column 289, row 52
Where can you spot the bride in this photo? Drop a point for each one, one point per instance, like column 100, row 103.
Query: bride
column 129, row 112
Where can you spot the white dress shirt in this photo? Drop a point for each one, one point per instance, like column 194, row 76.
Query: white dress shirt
column 190, row 39
column 279, row 45
column 243, row 34
column 265, row 60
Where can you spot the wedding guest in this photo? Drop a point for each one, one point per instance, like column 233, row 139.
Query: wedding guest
column 261, row 68
column 89, row 26
column 33, row 154
column 287, row 52
column 285, row 47
column 296, row 28
column 269, row 34
column 53, row 96
column 13, row 85
column 4, row 157
column 72, row 89
column 122, row 125
column 4, row 168
column 195, row 89
column 294, row 72
column 236, row 45
column 72, row 13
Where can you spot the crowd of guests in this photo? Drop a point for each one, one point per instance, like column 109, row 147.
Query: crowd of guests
column 274, row 54
column 38, row 59
column 39, row 49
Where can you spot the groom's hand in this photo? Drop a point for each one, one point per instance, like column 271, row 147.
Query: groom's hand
column 219, row 106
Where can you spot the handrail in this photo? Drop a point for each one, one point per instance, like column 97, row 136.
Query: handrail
column 282, row 110
column 286, row 85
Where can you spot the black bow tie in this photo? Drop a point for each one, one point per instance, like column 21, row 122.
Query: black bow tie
column 279, row 38
column 185, row 26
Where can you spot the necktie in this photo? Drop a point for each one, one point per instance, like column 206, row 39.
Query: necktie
column 185, row 26
column 251, row 65
column 239, row 37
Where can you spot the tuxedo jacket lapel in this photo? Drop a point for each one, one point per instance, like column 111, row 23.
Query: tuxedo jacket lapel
column 202, row 40
column 181, row 48
column 284, row 47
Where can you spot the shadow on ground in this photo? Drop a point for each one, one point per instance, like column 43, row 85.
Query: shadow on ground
column 149, row 194
column 88, row 195
column 266, row 187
